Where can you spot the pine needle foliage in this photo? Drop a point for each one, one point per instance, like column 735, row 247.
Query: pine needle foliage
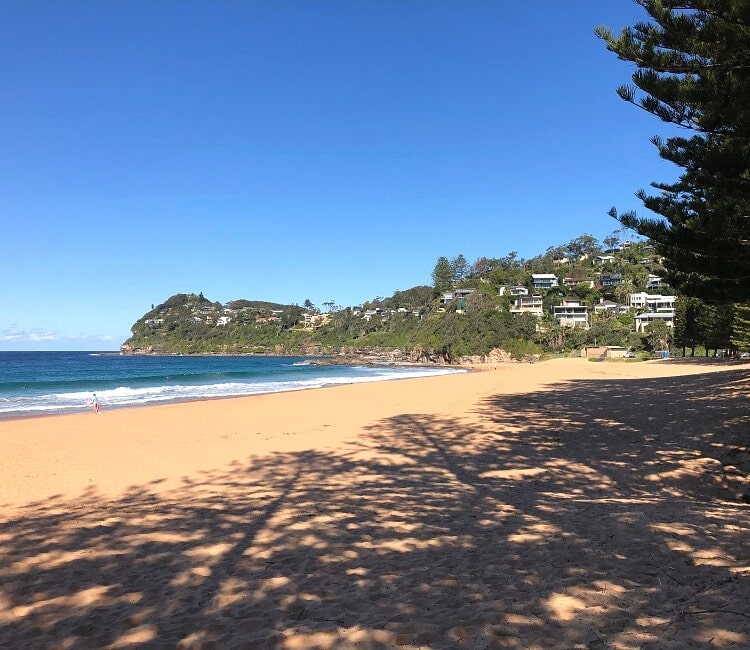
column 693, row 71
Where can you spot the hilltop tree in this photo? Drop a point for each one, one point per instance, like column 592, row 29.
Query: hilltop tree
column 442, row 275
column 581, row 246
column 693, row 60
column 460, row 267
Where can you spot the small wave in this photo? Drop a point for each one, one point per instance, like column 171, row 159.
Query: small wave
column 127, row 396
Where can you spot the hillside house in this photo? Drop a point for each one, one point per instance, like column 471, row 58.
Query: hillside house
column 223, row 320
column 517, row 290
column 456, row 294
column 654, row 282
column 642, row 321
column 611, row 279
column 579, row 282
column 604, row 259
column 369, row 313
column 571, row 313
column 609, row 306
column 311, row 320
column 651, row 302
column 544, row 280
column 528, row 305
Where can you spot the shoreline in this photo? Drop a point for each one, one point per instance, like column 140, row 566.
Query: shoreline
column 458, row 368
column 82, row 411
column 563, row 500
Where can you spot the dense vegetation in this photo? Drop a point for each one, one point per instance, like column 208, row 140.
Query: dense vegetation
column 693, row 71
column 421, row 319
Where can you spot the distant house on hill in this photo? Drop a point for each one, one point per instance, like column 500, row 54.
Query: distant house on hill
column 571, row 313
column 611, row 279
column 544, row 280
column 528, row 305
column 651, row 301
column 608, row 305
column 642, row 321
column 456, row 294
column 654, row 282
column 578, row 282
column 516, row 290
column 604, row 259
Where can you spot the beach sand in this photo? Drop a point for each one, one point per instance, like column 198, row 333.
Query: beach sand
column 564, row 504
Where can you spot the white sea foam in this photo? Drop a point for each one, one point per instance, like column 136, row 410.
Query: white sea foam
column 126, row 396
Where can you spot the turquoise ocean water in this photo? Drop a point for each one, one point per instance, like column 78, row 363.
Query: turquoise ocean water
column 46, row 383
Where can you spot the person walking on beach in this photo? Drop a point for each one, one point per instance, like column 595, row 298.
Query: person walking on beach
column 95, row 403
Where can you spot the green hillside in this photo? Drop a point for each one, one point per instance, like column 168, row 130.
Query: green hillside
column 469, row 310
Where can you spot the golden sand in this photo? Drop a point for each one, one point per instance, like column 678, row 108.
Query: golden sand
column 565, row 504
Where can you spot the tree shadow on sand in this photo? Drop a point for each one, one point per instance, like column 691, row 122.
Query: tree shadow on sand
column 575, row 516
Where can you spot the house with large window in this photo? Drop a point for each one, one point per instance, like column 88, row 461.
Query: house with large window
column 528, row 305
column 571, row 313
column 544, row 280
column 653, row 307
column 651, row 301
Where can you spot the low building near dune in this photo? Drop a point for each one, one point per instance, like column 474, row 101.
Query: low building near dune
column 604, row 352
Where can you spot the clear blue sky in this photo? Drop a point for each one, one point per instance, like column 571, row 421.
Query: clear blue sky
column 293, row 150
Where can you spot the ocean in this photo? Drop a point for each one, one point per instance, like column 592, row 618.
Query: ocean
column 47, row 383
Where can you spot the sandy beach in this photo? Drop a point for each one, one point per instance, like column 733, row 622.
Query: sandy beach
column 563, row 504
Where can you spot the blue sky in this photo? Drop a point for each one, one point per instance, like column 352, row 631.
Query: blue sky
column 293, row 150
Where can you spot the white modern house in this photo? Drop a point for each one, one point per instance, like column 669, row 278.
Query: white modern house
column 604, row 259
column 653, row 307
column 544, row 280
column 654, row 282
column 517, row 290
column 651, row 301
column 571, row 313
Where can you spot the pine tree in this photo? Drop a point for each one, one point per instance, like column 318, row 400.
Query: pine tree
column 741, row 328
column 688, row 323
column 693, row 60
column 717, row 327
column 442, row 275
